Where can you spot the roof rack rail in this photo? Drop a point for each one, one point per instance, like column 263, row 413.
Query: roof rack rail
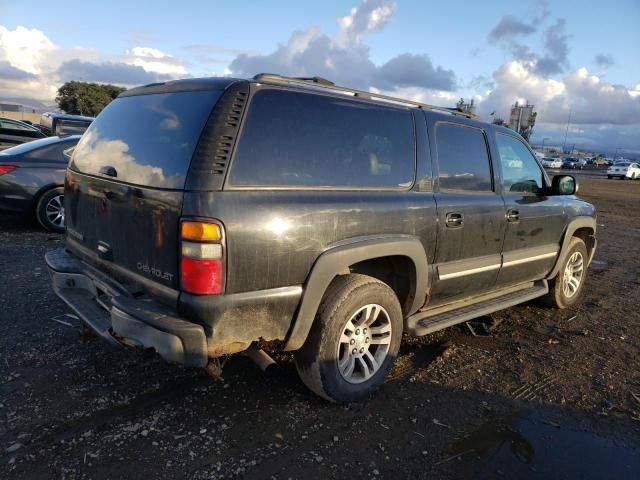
column 265, row 77
column 324, row 84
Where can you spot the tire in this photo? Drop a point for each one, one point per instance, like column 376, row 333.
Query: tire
column 563, row 294
column 50, row 210
column 326, row 362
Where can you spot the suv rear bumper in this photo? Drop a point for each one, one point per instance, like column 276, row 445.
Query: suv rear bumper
column 118, row 317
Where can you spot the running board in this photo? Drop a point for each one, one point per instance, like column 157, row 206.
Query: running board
column 429, row 321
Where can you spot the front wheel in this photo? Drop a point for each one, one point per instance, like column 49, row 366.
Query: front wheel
column 354, row 340
column 50, row 210
column 567, row 287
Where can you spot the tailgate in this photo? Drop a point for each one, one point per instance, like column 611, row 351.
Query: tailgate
column 135, row 228
column 125, row 182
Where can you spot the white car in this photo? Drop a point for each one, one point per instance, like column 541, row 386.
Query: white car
column 624, row 170
column 549, row 162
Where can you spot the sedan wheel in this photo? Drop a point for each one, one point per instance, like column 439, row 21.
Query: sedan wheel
column 50, row 210
column 55, row 211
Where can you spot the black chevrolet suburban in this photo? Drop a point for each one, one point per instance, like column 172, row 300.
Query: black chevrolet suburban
column 205, row 216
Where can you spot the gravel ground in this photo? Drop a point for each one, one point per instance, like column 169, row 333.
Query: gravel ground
column 548, row 394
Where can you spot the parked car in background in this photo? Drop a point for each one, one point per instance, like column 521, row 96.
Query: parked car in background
column 551, row 162
column 58, row 124
column 600, row 162
column 572, row 162
column 624, row 170
column 32, row 179
column 15, row 132
column 200, row 240
column 620, row 161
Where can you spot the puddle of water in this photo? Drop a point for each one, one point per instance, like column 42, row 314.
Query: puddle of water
column 527, row 447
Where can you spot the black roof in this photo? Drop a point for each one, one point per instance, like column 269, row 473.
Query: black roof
column 68, row 116
column 186, row 85
column 221, row 83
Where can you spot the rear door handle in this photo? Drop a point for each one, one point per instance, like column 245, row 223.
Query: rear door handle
column 513, row 215
column 454, row 220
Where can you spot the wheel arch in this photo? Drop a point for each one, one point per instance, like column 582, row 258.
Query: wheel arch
column 41, row 191
column 583, row 228
column 361, row 255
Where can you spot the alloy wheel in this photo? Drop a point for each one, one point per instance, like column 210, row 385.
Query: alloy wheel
column 573, row 274
column 55, row 211
column 364, row 343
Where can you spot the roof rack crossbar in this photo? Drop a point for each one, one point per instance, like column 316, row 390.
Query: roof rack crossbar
column 320, row 83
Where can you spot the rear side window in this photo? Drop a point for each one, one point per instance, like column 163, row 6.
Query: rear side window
column 463, row 161
column 14, row 126
column 148, row 139
column 293, row 139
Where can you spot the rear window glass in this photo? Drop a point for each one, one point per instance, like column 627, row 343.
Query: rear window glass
column 148, row 139
column 292, row 139
column 71, row 127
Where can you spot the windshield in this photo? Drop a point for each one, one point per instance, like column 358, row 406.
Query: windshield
column 148, row 139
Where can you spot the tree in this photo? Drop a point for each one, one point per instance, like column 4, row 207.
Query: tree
column 82, row 98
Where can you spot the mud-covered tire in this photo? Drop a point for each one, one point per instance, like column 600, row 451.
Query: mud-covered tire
column 46, row 213
column 324, row 361
column 565, row 290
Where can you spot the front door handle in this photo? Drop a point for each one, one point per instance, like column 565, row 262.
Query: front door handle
column 454, row 220
column 513, row 215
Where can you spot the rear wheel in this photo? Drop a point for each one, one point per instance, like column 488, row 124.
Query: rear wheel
column 354, row 340
column 567, row 287
column 50, row 210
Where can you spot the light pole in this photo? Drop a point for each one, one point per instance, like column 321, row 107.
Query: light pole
column 566, row 132
column 615, row 154
column 544, row 140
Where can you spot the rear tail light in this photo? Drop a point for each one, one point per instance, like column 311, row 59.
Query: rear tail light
column 7, row 169
column 202, row 258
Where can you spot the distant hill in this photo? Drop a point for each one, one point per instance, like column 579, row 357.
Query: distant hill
column 30, row 104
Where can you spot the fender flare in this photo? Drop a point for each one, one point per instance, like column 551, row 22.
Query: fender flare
column 575, row 224
column 338, row 258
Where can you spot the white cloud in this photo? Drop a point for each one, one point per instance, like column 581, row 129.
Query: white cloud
column 154, row 60
column 370, row 16
column 589, row 98
column 345, row 58
column 33, row 67
column 24, row 48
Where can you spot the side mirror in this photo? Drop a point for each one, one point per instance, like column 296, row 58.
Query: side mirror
column 564, row 185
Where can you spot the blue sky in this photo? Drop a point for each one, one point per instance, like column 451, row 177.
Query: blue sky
column 547, row 52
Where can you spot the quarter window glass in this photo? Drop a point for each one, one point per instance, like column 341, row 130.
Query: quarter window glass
column 520, row 171
column 293, row 139
column 463, row 161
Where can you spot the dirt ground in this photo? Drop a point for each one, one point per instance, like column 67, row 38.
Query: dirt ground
column 548, row 394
